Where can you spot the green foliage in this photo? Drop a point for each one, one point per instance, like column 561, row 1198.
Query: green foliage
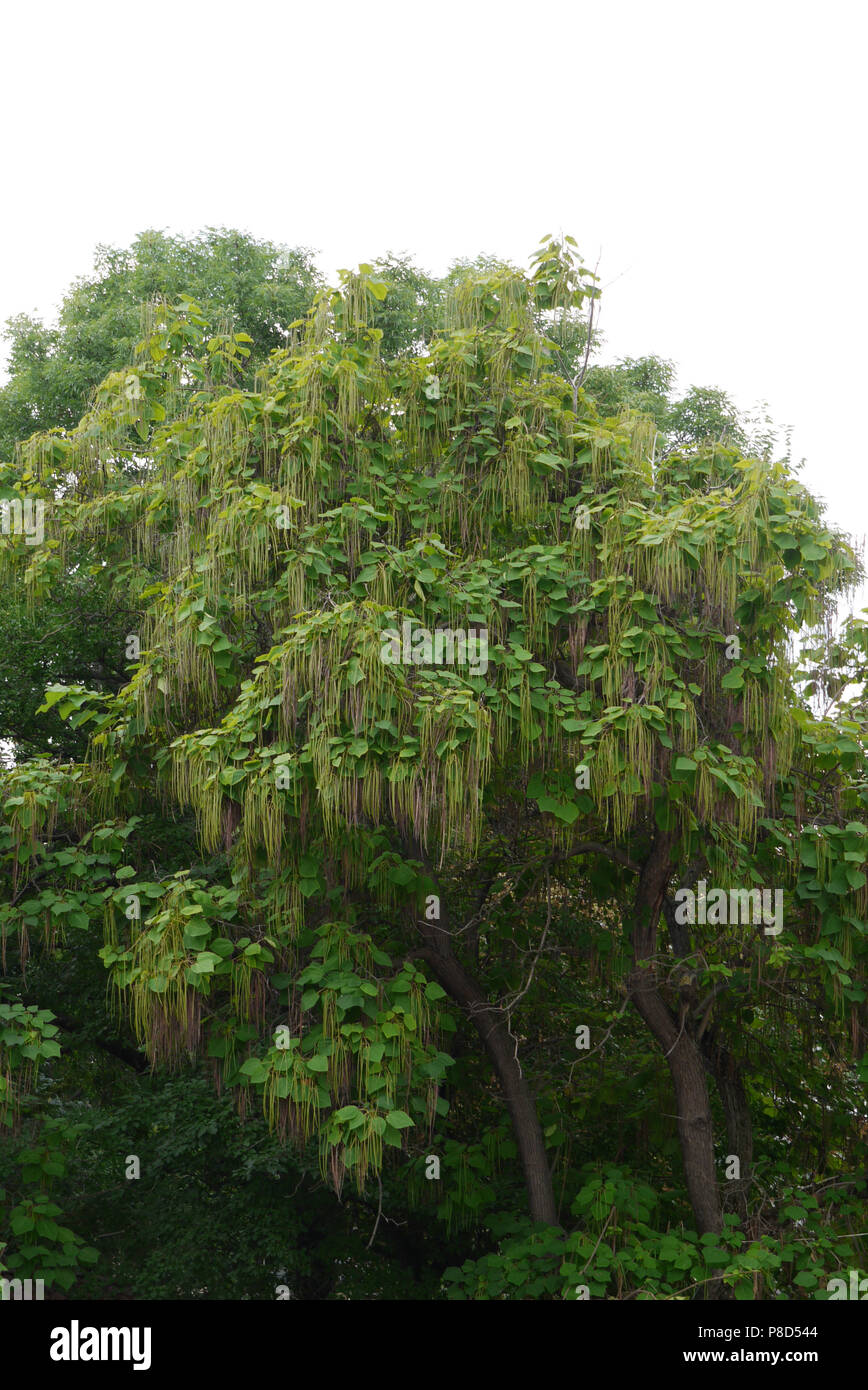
column 316, row 863
column 621, row 1252
column 645, row 386
column 245, row 283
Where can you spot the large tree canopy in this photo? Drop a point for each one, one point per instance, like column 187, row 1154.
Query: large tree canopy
column 459, row 729
column 53, row 371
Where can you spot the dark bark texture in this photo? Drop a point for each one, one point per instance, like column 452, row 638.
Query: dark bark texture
column 492, row 1023
column 675, row 1037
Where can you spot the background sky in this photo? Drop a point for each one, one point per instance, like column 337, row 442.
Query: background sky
column 711, row 156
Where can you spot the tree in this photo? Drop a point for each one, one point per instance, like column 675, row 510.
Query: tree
column 703, row 415
column 445, row 692
column 53, row 372
column 237, row 279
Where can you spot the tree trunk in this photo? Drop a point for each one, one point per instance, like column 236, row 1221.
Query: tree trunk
column 492, row 1025
column 675, row 1037
column 739, row 1129
column 493, row 1028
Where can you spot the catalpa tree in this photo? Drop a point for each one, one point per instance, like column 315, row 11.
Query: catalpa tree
column 442, row 685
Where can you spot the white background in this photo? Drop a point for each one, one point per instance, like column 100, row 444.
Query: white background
column 711, row 155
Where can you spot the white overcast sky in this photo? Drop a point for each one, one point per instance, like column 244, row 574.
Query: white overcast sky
column 713, row 156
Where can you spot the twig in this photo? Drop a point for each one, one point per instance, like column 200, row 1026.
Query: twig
column 511, row 1005
column 379, row 1211
column 599, row 1238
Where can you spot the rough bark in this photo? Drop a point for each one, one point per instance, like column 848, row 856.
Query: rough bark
column 739, row 1129
column 492, row 1025
column 675, row 1037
